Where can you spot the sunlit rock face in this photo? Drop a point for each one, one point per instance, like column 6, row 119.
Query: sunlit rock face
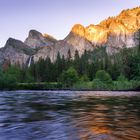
column 49, row 38
column 114, row 32
column 123, row 30
column 96, row 34
column 128, row 21
column 36, row 40
column 77, row 41
column 79, row 30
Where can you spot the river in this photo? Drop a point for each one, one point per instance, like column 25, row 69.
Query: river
column 69, row 115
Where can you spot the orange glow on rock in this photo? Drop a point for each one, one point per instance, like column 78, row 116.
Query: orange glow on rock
column 126, row 23
column 79, row 30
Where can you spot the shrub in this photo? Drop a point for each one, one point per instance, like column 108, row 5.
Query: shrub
column 100, row 85
column 122, row 78
column 102, row 81
column 103, row 76
column 122, row 85
column 84, row 78
column 69, row 77
column 82, row 85
column 7, row 81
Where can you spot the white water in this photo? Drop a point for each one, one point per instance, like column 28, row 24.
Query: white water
column 30, row 59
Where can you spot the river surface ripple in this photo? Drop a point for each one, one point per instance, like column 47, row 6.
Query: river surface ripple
column 69, row 115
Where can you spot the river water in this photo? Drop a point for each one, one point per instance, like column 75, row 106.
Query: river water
column 69, row 115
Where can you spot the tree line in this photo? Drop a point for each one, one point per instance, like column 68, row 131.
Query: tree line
column 90, row 66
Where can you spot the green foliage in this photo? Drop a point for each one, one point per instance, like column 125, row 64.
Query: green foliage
column 69, row 77
column 103, row 76
column 134, row 66
column 96, row 70
column 28, row 78
column 13, row 71
column 102, row 81
column 7, row 80
column 122, row 78
column 125, row 85
column 82, row 85
column 84, row 78
column 100, row 85
column 35, row 86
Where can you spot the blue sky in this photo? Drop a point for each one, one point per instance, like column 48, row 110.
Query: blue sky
column 55, row 17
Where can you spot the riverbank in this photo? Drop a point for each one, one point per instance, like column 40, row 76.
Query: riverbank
column 79, row 86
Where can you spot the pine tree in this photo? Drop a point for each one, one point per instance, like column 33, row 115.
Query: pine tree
column 59, row 65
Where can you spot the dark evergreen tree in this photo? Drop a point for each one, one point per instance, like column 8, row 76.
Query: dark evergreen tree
column 49, row 71
column 59, row 65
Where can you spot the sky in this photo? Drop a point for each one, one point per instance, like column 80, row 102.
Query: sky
column 54, row 17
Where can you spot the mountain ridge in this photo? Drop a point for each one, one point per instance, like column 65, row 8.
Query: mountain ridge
column 114, row 32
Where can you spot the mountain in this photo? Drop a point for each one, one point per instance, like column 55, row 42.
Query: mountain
column 15, row 51
column 36, row 40
column 18, row 52
column 115, row 33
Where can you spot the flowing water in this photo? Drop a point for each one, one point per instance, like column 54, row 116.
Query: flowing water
column 69, row 115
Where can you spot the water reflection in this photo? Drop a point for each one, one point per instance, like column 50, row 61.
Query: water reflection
column 68, row 116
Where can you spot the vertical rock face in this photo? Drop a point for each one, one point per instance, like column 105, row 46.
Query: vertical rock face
column 15, row 51
column 44, row 52
column 96, row 34
column 76, row 38
column 114, row 33
column 123, row 30
column 117, row 42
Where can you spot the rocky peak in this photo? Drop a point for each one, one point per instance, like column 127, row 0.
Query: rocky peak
column 114, row 32
column 76, row 40
column 15, row 52
column 12, row 42
column 18, row 46
column 95, row 34
column 36, row 40
column 34, row 34
column 128, row 21
column 78, row 29
column 50, row 38
column 123, row 28
column 131, row 12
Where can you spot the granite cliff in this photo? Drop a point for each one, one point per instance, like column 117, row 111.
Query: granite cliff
column 115, row 33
